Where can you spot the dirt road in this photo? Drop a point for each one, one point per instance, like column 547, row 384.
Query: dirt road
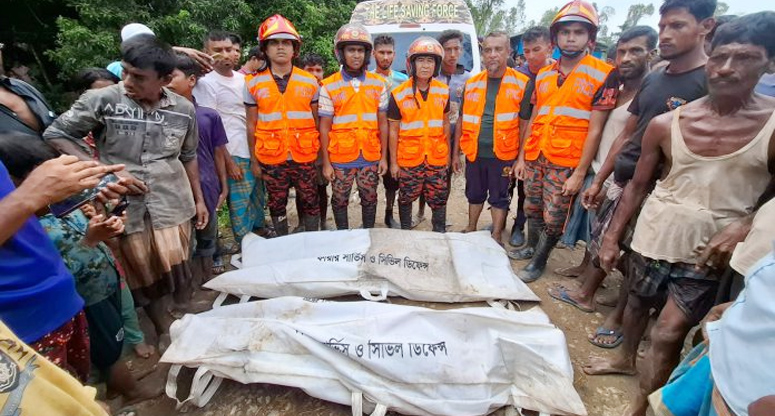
column 603, row 395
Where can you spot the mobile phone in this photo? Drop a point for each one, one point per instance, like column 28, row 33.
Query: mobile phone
column 119, row 209
column 73, row 202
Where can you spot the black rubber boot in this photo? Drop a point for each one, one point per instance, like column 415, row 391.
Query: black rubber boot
column 534, row 230
column 369, row 216
column 439, row 219
column 341, row 220
column 311, row 223
column 280, row 225
column 535, row 268
column 390, row 221
column 405, row 216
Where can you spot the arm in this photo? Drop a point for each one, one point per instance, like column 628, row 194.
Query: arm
column 591, row 144
column 325, row 127
column 251, row 116
column 394, row 126
column 518, row 170
column 456, row 146
column 657, row 133
column 446, row 126
column 220, row 169
column 608, row 166
column 191, row 166
column 204, row 60
column 52, row 181
column 383, row 140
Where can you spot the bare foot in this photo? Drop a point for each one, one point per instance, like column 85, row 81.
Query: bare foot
column 468, row 230
column 571, row 272
column 142, row 393
column 143, row 350
column 601, row 366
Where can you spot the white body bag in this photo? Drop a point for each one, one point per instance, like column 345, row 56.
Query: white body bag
column 375, row 263
column 378, row 357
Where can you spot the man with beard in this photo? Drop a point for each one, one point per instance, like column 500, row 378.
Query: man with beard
column 384, row 54
column 353, row 126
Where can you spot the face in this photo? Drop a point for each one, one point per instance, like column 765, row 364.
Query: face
column 279, row 51
column 143, row 84
column 452, row 51
column 255, row 63
column 632, row 58
column 425, row 66
column 384, row 55
column 180, row 83
column 236, row 53
column 734, row 69
column 495, row 50
column 537, row 52
column 680, row 33
column 222, row 52
column 315, row 70
column 101, row 83
column 354, row 56
column 573, row 37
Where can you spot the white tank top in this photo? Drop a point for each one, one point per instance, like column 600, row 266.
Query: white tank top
column 700, row 196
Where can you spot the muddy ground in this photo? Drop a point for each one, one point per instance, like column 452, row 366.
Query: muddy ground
column 602, row 395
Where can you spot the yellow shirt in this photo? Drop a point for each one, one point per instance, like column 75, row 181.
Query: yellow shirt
column 32, row 385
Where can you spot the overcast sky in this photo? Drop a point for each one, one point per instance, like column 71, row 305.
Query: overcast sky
column 536, row 8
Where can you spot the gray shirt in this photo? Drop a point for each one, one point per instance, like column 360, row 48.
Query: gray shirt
column 152, row 143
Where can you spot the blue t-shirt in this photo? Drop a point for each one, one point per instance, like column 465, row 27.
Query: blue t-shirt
column 37, row 293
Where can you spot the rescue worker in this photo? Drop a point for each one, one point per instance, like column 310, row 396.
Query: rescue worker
column 281, row 103
column 567, row 121
column 353, row 126
column 418, row 115
column 488, row 132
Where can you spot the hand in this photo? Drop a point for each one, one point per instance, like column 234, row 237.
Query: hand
column 520, row 169
column 202, row 215
column 132, row 184
column 589, row 198
column 204, row 60
column 573, row 185
column 713, row 315
column 114, row 191
column 608, row 255
column 222, row 198
column 720, row 248
column 101, row 229
column 255, row 168
column 456, row 166
column 328, row 172
column 57, row 179
column 382, row 168
column 395, row 171
column 233, row 170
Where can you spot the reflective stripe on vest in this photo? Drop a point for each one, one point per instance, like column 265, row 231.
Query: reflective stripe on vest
column 563, row 112
column 506, row 118
column 421, row 130
column 285, row 126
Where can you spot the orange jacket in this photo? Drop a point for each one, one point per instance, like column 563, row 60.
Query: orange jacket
column 563, row 113
column 506, row 123
column 421, row 134
column 285, row 121
column 355, row 128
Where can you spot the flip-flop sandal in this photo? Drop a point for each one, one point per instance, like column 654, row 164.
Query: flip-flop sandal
column 563, row 297
column 607, row 332
column 218, row 266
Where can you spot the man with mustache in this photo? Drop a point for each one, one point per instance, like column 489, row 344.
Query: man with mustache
column 353, row 126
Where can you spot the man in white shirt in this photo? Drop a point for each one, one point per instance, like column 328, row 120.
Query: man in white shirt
column 222, row 90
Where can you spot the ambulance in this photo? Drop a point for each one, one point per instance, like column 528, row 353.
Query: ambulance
column 406, row 20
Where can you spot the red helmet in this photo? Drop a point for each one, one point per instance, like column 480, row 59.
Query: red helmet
column 424, row 46
column 577, row 11
column 277, row 27
column 352, row 34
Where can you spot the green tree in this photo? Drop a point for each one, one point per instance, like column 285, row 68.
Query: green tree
column 721, row 8
column 635, row 13
column 492, row 15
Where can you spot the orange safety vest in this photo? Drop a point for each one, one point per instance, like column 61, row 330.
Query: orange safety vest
column 421, row 133
column 285, row 122
column 506, row 124
column 355, row 129
column 562, row 113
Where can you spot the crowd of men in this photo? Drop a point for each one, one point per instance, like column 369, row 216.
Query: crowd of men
column 681, row 119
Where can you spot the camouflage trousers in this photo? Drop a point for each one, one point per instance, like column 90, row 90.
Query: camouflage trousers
column 426, row 180
column 366, row 178
column 281, row 177
column 544, row 202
